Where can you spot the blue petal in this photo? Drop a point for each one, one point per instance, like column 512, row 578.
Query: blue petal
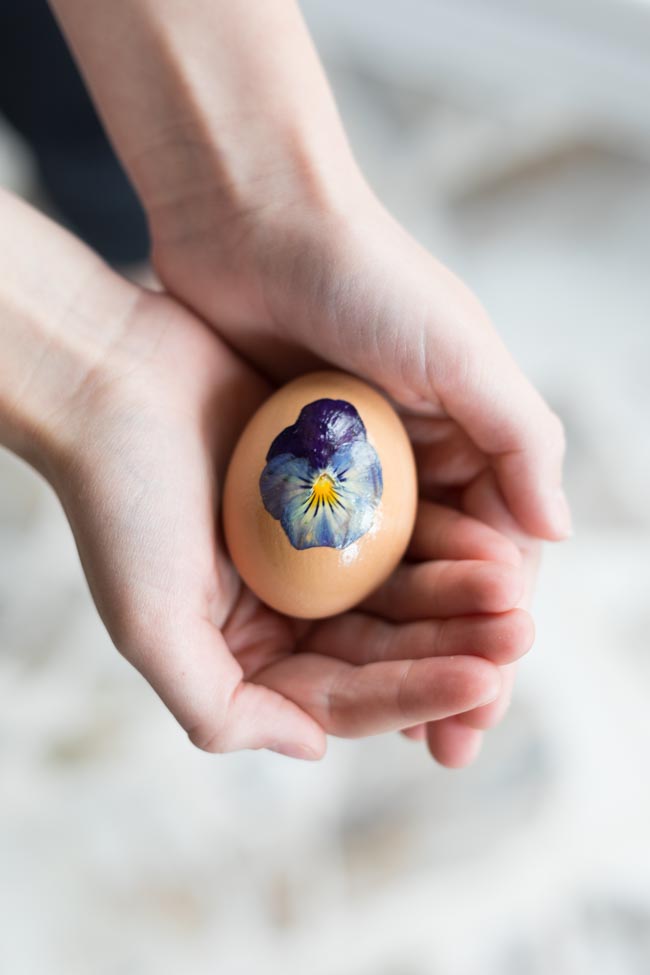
column 286, row 484
column 284, row 479
column 315, row 526
column 357, row 471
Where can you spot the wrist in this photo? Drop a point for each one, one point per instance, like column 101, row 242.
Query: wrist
column 225, row 181
column 61, row 309
column 51, row 365
column 216, row 116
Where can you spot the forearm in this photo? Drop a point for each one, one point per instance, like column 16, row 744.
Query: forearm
column 214, row 98
column 60, row 309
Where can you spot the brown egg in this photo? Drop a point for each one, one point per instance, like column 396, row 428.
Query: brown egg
column 320, row 495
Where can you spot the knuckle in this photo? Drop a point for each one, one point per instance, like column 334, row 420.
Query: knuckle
column 403, row 697
column 208, row 737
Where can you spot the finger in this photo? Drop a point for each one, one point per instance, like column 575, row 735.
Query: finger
column 492, row 714
column 483, row 499
column 506, row 418
column 350, row 701
column 417, row 733
column 438, row 533
column 444, row 461
column 443, row 533
column 453, row 743
column 417, row 591
column 193, row 672
column 362, row 639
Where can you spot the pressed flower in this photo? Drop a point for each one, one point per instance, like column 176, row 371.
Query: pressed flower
column 322, row 478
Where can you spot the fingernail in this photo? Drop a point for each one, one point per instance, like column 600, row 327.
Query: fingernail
column 294, row 750
column 562, row 515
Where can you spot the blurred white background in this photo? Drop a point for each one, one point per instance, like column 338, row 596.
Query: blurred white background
column 512, row 138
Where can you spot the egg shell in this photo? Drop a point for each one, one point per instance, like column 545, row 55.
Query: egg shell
column 316, row 582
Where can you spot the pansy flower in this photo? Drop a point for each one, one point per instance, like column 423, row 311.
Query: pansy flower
column 322, row 479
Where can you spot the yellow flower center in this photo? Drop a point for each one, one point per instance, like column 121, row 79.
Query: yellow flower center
column 323, row 491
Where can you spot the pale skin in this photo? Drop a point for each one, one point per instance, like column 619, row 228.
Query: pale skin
column 129, row 406
column 263, row 225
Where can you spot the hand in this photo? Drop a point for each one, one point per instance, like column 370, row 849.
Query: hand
column 141, row 450
column 262, row 222
column 296, row 285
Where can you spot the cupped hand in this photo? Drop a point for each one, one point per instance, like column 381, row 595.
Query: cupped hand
column 142, row 447
column 298, row 282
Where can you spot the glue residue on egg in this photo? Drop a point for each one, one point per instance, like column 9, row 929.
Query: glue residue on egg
column 320, row 495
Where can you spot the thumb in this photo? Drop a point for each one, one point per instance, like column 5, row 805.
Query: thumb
column 196, row 676
column 487, row 394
